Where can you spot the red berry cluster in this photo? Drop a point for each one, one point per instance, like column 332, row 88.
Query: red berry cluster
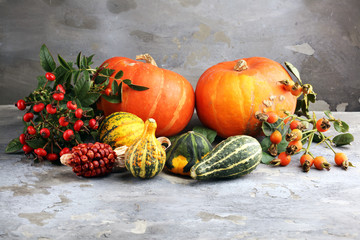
column 52, row 125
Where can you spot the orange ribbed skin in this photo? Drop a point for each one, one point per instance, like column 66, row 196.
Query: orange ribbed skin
column 227, row 99
column 170, row 99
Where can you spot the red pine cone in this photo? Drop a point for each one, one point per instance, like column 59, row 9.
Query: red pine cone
column 92, row 160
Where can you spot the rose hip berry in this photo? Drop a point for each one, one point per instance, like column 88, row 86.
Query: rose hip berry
column 40, row 152
column 295, row 124
column 78, row 113
column 306, row 161
column 45, row 132
column 71, row 105
column 93, row 124
column 60, row 88
column 108, row 91
column 38, row 107
column 68, row 135
column 50, row 76
column 52, row 157
column 342, row 160
column 64, row 151
column 58, row 96
column 31, row 130
column 322, row 125
column 276, row 137
column 78, row 125
column 321, row 163
column 283, row 159
column 63, row 121
column 28, row 117
column 272, row 117
column 22, row 139
column 27, row 149
column 21, row 104
column 51, row 109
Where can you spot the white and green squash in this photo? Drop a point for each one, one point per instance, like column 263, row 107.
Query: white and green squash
column 234, row 157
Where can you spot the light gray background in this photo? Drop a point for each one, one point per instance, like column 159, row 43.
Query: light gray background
column 320, row 37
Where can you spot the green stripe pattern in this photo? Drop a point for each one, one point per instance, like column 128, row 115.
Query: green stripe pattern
column 234, row 157
column 193, row 146
column 120, row 128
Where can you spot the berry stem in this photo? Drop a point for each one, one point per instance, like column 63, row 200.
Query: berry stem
column 323, row 136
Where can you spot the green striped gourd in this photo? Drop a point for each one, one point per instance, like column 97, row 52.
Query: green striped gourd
column 120, row 129
column 146, row 157
column 185, row 151
column 231, row 158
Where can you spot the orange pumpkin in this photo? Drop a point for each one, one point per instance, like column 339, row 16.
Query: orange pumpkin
column 230, row 93
column 170, row 99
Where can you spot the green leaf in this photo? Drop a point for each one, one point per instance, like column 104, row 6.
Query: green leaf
column 133, row 86
column 265, row 144
column 119, row 74
column 36, row 143
column 60, row 73
column 282, row 145
column 78, row 60
column 13, row 146
column 293, row 70
column 341, row 126
column 89, row 59
column 208, row 133
column 115, row 87
column 82, row 87
column 317, row 138
column 76, row 76
column 266, row 158
column 343, row 139
column 64, row 63
column 112, row 99
column 46, row 59
column 41, row 81
column 107, row 71
column 100, row 79
column 267, row 128
column 90, row 99
column 84, row 62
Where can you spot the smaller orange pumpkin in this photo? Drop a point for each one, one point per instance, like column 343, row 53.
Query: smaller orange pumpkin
column 230, row 93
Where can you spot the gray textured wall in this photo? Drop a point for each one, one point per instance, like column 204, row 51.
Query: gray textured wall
column 320, row 37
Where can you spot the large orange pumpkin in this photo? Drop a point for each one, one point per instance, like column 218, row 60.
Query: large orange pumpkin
column 170, row 99
column 230, row 93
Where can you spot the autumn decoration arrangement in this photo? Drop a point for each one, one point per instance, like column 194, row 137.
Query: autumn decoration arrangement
column 130, row 114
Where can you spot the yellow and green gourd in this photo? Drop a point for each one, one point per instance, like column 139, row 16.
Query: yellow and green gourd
column 186, row 150
column 231, row 158
column 146, row 157
column 120, row 129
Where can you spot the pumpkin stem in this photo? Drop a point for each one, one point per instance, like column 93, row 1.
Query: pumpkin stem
column 147, row 58
column 241, row 65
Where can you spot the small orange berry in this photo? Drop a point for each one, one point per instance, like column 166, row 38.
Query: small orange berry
column 323, row 124
column 296, row 89
column 321, row 163
column 276, row 137
column 306, row 161
column 342, row 160
column 295, row 124
column 272, row 117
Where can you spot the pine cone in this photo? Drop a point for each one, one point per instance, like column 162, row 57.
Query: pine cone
column 90, row 160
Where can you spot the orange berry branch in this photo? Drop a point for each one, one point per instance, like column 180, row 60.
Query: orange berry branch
column 285, row 137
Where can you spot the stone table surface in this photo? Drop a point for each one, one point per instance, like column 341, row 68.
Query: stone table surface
column 45, row 201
